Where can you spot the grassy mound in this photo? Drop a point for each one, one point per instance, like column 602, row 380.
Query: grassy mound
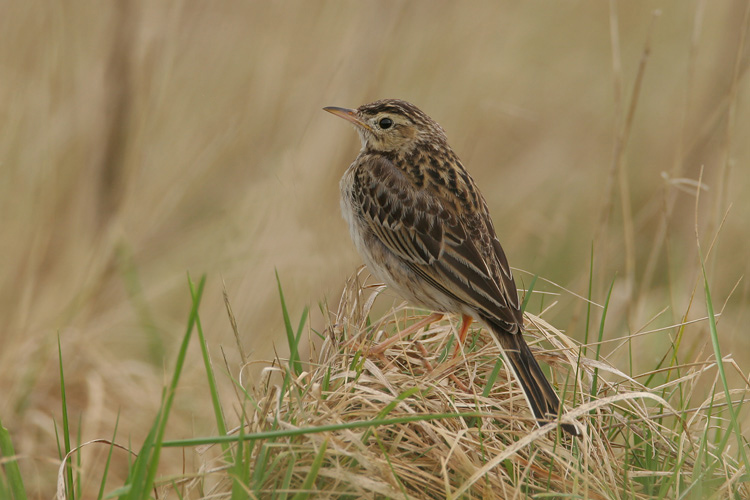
column 416, row 423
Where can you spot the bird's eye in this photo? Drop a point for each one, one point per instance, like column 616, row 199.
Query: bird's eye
column 385, row 123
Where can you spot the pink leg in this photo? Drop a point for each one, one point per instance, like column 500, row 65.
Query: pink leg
column 465, row 324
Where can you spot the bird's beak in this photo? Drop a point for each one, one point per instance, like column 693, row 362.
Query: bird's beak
column 349, row 115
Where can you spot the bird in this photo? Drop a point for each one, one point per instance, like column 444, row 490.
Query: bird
column 421, row 225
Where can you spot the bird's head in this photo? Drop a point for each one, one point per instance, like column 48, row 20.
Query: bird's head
column 391, row 125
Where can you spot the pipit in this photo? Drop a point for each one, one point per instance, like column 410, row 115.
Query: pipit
column 422, row 227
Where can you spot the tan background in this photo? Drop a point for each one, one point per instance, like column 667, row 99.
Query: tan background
column 144, row 140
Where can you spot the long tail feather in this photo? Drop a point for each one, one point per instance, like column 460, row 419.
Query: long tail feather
column 540, row 395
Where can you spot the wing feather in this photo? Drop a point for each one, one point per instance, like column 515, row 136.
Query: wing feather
column 453, row 250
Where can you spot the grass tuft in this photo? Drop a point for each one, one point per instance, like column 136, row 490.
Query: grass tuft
column 403, row 424
column 354, row 425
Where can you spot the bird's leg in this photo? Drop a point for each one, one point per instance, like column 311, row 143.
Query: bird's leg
column 413, row 328
column 465, row 324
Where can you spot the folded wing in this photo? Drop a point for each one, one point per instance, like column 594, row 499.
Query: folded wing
column 454, row 250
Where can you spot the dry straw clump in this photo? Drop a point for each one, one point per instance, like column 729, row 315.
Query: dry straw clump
column 634, row 444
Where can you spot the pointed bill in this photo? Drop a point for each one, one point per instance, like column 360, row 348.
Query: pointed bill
column 348, row 115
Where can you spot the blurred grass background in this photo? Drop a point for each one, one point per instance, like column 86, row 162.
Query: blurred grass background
column 143, row 140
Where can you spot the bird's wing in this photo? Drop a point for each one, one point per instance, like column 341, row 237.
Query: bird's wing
column 455, row 251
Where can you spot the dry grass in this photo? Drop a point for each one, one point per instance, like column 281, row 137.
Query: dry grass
column 145, row 139
column 636, row 445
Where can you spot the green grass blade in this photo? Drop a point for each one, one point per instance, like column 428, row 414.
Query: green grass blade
column 240, row 468
column 194, row 318
column 275, row 434
column 287, row 481
column 4, row 491
column 77, row 454
column 601, row 336
column 100, row 495
column 389, row 408
column 66, row 427
column 143, row 473
column 261, row 470
column 588, row 302
column 529, row 291
column 493, row 376
column 135, row 489
column 294, row 363
column 301, row 326
column 313, row 474
column 720, row 366
column 10, row 465
column 210, row 376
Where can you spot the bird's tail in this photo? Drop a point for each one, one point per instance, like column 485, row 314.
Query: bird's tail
column 540, row 395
